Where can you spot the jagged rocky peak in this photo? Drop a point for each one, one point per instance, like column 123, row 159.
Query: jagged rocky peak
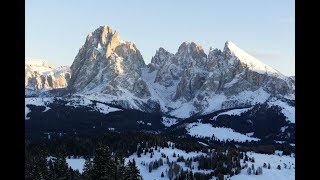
column 189, row 52
column 106, row 64
column 161, row 57
column 104, row 39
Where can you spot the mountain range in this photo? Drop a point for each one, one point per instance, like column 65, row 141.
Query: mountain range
column 182, row 85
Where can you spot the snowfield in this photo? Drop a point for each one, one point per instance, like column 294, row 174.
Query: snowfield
column 223, row 134
column 156, row 174
column 105, row 109
column 273, row 173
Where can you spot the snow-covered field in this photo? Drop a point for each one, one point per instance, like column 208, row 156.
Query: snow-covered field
column 206, row 130
column 156, row 174
column 273, row 172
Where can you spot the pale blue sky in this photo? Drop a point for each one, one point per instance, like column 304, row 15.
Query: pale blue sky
column 56, row 29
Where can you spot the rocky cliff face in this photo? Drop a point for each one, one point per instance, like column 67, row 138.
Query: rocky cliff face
column 227, row 78
column 105, row 64
column 39, row 75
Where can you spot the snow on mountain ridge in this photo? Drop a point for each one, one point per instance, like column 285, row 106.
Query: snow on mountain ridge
column 251, row 61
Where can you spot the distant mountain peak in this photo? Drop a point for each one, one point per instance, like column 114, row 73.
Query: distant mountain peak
column 254, row 64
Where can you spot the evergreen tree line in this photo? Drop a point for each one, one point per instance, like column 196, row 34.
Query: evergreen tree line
column 103, row 165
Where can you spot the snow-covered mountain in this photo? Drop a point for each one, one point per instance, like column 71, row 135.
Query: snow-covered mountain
column 189, row 82
column 41, row 76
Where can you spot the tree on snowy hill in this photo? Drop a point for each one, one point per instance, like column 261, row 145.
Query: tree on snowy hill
column 264, row 165
column 132, row 172
column 190, row 175
column 259, row 171
column 249, row 171
column 150, row 166
column 176, row 168
column 170, row 172
column 139, row 151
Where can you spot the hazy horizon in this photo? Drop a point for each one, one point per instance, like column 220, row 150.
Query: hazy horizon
column 56, row 30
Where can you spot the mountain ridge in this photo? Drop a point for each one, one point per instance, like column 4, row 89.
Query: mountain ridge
column 182, row 84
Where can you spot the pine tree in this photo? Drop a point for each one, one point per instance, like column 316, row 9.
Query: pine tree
column 88, row 169
column 132, row 172
column 121, row 173
column 150, row 166
column 60, row 168
column 245, row 157
column 36, row 168
column 249, row 170
column 191, row 175
column 182, row 174
column 264, row 165
column 139, row 151
column 121, row 169
column 103, row 164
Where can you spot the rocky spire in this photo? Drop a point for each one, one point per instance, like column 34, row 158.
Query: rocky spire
column 106, row 64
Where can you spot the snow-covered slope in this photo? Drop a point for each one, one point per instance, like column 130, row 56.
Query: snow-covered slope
column 223, row 134
column 143, row 162
column 272, row 173
column 74, row 101
column 287, row 164
column 252, row 63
